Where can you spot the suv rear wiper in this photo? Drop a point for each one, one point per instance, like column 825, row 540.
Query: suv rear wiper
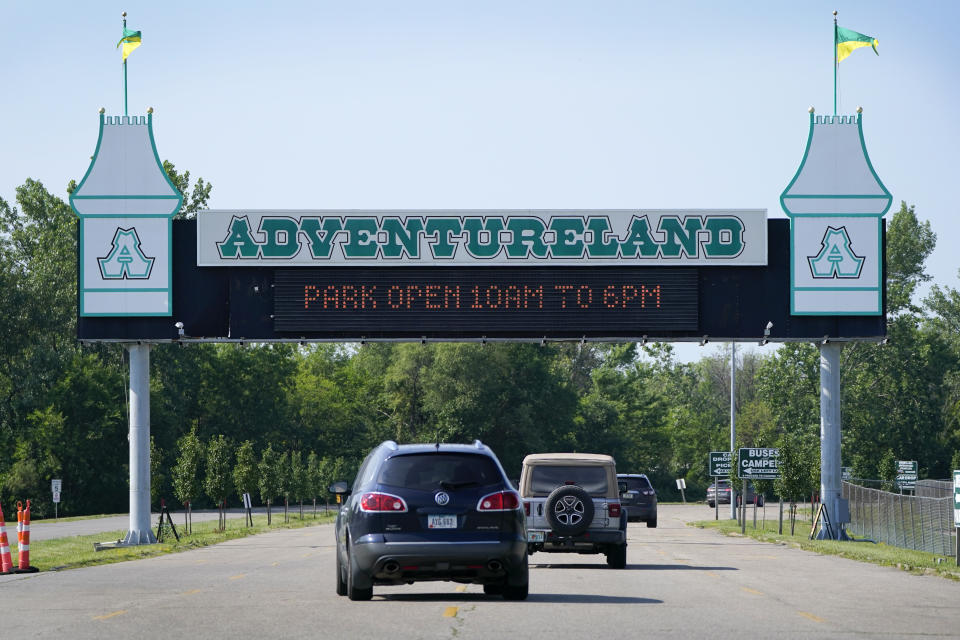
column 451, row 486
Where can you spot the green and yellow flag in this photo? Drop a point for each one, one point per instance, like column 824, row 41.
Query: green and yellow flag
column 848, row 40
column 130, row 41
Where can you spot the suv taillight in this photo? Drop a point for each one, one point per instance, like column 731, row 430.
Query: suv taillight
column 526, row 508
column 500, row 501
column 382, row 502
column 613, row 509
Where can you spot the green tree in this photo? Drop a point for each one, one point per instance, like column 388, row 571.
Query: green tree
column 218, row 480
column 186, row 473
column 909, row 244
column 158, row 476
column 269, row 480
column 313, row 481
column 193, row 201
column 795, row 463
column 298, row 479
column 285, row 483
column 245, row 473
column 887, row 471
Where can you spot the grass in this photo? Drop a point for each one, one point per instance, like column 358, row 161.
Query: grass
column 918, row 562
column 58, row 554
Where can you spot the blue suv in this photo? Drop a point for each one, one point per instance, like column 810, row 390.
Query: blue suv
column 421, row 512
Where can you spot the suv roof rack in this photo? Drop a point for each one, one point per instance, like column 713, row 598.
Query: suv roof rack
column 389, row 444
column 478, row 444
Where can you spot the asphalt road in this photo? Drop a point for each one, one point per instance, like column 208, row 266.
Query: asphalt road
column 680, row 583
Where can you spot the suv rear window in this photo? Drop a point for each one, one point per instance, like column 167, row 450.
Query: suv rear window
column 430, row 471
column 544, row 478
column 635, row 484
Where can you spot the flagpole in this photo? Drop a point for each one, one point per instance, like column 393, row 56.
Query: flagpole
column 835, row 63
column 125, row 69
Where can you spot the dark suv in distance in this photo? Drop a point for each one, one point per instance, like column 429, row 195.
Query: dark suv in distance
column 421, row 512
column 638, row 498
column 724, row 491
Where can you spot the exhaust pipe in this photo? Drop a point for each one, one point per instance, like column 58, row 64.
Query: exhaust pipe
column 495, row 566
column 391, row 566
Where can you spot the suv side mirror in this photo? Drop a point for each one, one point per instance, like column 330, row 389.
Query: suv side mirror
column 339, row 488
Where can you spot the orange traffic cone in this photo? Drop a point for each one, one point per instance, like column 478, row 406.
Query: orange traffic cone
column 6, row 563
column 23, row 539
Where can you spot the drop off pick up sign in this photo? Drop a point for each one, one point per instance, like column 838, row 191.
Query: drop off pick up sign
column 758, row 464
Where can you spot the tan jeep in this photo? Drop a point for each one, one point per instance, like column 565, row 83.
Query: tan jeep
column 572, row 505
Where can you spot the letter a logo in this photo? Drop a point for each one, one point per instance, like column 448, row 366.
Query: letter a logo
column 126, row 260
column 836, row 258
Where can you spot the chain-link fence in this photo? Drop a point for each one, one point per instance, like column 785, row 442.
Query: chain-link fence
column 911, row 522
column 934, row 488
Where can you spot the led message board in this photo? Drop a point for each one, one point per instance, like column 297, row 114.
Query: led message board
column 498, row 301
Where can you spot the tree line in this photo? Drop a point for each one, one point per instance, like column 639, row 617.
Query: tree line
column 63, row 406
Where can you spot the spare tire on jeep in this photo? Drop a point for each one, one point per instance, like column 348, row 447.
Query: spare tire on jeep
column 569, row 510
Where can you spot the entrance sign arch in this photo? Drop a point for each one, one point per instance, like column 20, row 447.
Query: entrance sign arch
column 507, row 275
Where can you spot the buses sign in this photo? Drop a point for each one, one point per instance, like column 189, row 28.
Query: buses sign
column 759, row 464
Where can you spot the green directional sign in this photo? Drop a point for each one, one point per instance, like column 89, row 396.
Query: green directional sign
column 906, row 474
column 758, row 464
column 956, row 498
column 720, row 464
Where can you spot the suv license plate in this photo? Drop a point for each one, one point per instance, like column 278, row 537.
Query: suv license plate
column 442, row 522
column 535, row 536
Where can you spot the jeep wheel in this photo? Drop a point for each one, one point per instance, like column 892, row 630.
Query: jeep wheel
column 569, row 510
column 617, row 556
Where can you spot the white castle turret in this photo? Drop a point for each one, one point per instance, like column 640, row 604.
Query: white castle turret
column 835, row 203
column 125, row 203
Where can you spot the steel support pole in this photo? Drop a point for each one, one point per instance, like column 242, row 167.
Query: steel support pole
column 139, row 437
column 735, row 466
column 830, row 435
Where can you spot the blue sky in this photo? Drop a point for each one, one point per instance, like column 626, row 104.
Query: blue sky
column 416, row 104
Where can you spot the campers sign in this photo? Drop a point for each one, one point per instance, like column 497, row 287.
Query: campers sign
column 482, row 238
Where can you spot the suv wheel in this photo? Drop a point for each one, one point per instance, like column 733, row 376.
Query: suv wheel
column 354, row 592
column 517, row 585
column 341, row 583
column 569, row 510
column 617, row 556
column 493, row 589
column 652, row 524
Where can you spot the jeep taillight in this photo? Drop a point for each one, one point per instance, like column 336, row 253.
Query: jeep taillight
column 376, row 501
column 613, row 509
column 499, row 501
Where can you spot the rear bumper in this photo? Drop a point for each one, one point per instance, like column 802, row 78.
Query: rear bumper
column 589, row 542
column 479, row 561
column 641, row 511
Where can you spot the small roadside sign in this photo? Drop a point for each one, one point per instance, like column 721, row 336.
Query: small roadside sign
column 956, row 497
column 720, row 464
column 247, row 504
column 758, row 464
column 906, row 474
column 681, row 483
column 845, row 473
column 56, row 485
column 56, row 496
